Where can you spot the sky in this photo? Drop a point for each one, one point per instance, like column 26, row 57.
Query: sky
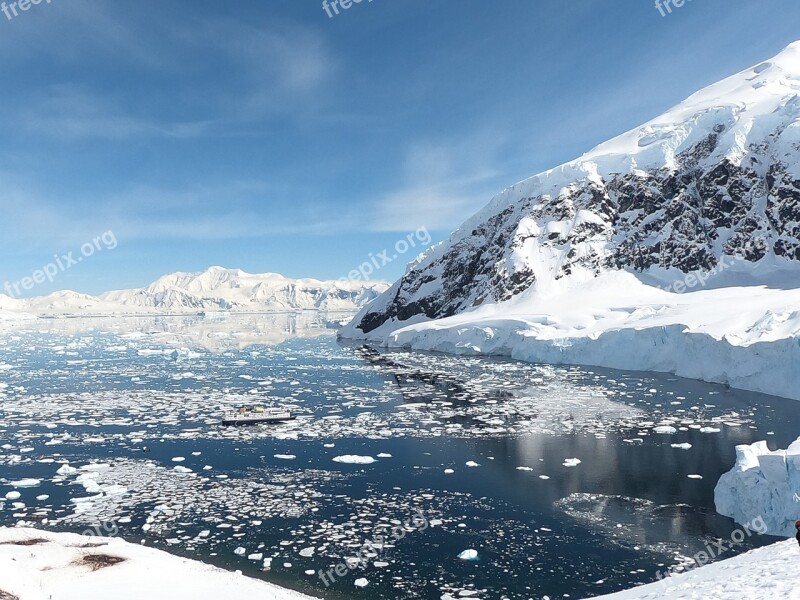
column 269, row 136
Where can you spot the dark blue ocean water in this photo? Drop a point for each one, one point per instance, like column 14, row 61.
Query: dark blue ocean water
column 132, row 407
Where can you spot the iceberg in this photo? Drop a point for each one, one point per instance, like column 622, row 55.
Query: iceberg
column 762, row 484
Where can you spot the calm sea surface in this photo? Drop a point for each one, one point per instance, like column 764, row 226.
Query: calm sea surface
column 408, row 459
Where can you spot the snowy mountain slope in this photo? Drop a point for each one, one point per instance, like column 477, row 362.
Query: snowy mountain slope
column 718, row 175
column 762, row 574
column 216, row 289
column 702, row 199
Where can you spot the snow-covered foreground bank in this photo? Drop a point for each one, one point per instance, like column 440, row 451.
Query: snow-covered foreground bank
column 766, row 573
column 743, row 335
column 61, row 568
column 762, row 484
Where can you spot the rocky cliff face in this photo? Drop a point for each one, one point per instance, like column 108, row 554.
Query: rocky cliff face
column 717, row 176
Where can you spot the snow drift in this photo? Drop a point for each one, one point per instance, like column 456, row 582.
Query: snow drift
column 52, row 568
column 762, row 484
column 674, row 247
column 769, row 572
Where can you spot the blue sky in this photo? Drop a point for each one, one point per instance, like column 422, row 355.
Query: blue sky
column 266, row 136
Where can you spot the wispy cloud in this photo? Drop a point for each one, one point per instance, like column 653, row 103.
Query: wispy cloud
column 199, row 76
column 219, row 211
column 444, row 183
column 69, row 111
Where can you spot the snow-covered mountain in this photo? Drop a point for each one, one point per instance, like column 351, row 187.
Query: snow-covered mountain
column 233, row 289
column 216, row 289
column 705, row 196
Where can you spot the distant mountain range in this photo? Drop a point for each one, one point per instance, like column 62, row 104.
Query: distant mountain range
column 213, row 290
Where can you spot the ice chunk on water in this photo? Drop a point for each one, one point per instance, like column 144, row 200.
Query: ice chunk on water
column 665, row 429
column 26, row 483
column 469, row 555
column 353, row 459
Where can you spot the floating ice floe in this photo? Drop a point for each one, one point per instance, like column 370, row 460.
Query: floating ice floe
column 352, row 459
column 469, row 555
column 285, row 456
column 361, row 582
column 665, row 429
column 684, row 446
column 572, row 462
column 66, row 470
column 472, row 463
column 26, row 483
column 13, row 496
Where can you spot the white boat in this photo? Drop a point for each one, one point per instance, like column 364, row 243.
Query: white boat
column 247, row 415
